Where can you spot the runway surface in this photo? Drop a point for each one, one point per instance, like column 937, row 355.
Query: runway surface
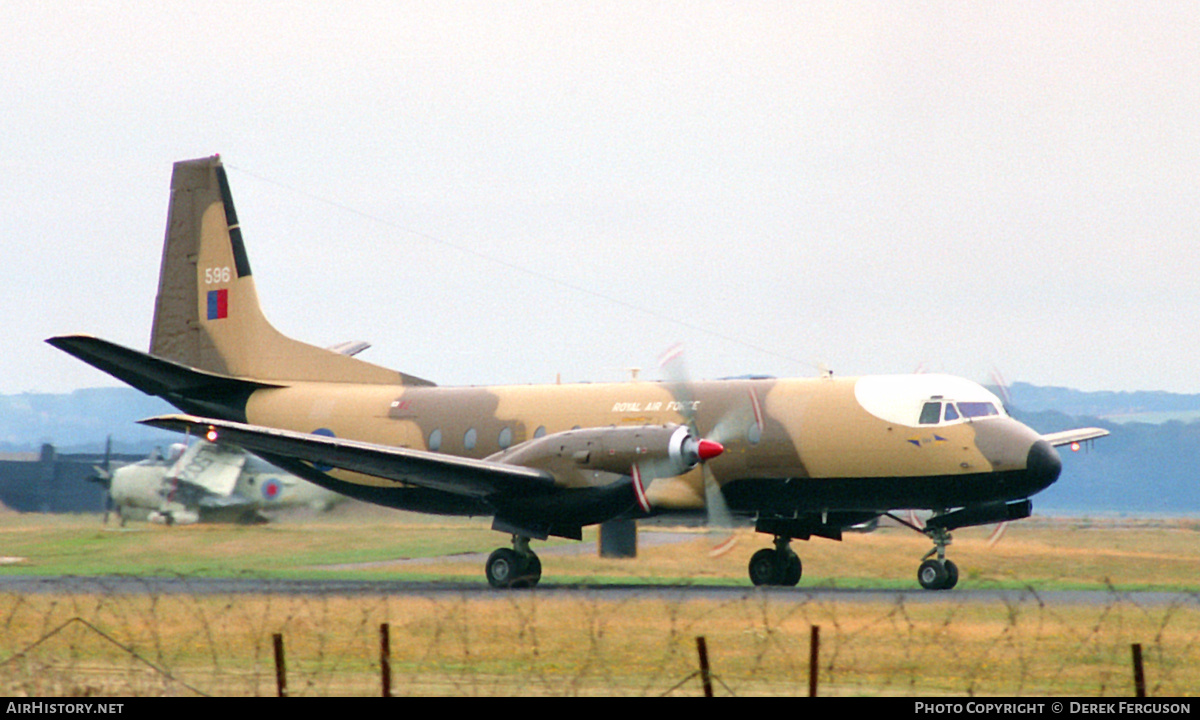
column 128, row 585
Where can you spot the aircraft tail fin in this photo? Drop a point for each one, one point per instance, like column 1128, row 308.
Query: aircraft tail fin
column 207, row 314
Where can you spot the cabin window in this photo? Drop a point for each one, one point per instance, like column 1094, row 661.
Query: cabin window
column 951, row 413
column 469, row 438
column 931, row 413
column 540, row 432
column 978, row 409
column 505, row 438
column 435, row 440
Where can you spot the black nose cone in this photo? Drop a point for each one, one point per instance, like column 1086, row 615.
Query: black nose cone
column 1043, row 465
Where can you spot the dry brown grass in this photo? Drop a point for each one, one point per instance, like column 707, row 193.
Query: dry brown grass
column 1043, row 553
column 601, row 642
column 526, row 643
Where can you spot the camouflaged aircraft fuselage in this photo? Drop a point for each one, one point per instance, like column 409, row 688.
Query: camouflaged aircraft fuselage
column 817, row 448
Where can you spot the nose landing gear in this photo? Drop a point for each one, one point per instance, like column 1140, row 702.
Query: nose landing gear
column 935, row 573
column 938, row 574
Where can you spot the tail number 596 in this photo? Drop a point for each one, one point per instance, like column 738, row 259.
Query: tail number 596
column 216, row 275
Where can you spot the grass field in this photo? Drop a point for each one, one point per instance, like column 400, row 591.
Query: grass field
column 519, row 643
column 367, row 543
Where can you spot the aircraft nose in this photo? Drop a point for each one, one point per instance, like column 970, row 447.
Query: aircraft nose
column 1043, row 464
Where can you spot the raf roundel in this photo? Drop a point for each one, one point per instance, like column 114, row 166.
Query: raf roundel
column 326, row 432
column 271, row 488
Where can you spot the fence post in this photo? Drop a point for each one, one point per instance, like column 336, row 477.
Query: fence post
column 280, row 666
column 705, row 676
column 385, row 659
column 1139, row 677
column 814, row 655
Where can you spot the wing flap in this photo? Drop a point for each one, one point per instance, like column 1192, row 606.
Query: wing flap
column 1066, row 437
column 459, row 476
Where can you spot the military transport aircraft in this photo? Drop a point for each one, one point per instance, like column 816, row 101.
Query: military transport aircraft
column 205, row 482
column 802, row 457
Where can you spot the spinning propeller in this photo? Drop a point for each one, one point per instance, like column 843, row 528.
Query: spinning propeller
column 742, row 419
column 104, row 476
column 684, row 450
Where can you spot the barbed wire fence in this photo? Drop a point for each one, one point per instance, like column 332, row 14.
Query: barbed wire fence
column 184, row 642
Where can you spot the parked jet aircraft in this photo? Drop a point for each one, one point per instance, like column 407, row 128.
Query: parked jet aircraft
column 803, row 457
column 206, row 482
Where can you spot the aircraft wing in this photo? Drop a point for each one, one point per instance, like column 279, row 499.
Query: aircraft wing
column 213, row 468
column 1066, row 437
column 459, row 476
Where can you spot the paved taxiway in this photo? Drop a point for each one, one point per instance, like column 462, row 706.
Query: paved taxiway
column 128, row 585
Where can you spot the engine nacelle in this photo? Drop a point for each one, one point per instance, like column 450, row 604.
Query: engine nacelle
column 658, row 450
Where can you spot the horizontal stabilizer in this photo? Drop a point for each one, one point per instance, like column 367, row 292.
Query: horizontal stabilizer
column 184, row 387
column 350, row 347
column 455, row 475
column 1066, row 437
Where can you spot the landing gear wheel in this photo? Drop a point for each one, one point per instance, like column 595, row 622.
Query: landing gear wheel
column 793, row 570
column 951, row 575
column 775, row 567
column 507, row 568
column 503, row 567
column 937, row 575
column 763, row 568
column 531, row 573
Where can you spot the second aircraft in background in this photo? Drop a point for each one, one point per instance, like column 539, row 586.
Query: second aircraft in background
column 205, row 482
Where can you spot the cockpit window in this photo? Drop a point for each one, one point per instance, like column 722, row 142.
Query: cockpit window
column 977, row 409
column 920, row 400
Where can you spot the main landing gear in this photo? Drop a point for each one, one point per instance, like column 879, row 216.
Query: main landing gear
column 780, row 566
column 517, row 567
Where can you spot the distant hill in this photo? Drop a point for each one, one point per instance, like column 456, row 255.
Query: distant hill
column 1117, row 406
column 1142, row 467
column 81, row 421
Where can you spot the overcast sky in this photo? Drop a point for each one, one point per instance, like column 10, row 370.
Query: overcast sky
column 503, row 192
